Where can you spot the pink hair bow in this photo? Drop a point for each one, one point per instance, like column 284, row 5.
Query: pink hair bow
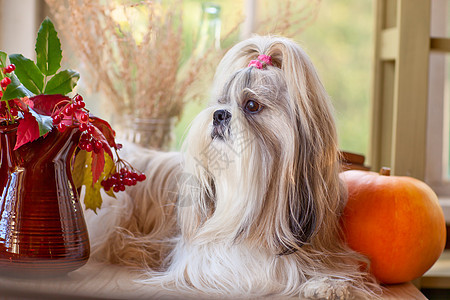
column 266, row 59
column 261, row 61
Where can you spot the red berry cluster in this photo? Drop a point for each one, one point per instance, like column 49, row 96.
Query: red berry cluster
column 125, row 177
column 72, row 110
column 89, row 143
column 68, row 110
column 6, row 81
column 8, row 109
column 9, row 69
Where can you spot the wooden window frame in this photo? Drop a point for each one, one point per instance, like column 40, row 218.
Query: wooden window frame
column 400, row 87
column 410, row 107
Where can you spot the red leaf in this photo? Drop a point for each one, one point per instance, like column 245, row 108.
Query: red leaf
column 45, row 104
column 98, row 135
column 27, row 131
column 98, row 165
column 105, row 129
column 24, row 103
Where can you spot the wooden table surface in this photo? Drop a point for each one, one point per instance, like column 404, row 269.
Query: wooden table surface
column 101, row 281
column 438, row 277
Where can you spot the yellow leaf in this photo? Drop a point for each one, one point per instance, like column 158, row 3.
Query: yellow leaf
column 109, row 167
column 79, row 168
column 82, row 175
column 110, row 193
column 93, row 198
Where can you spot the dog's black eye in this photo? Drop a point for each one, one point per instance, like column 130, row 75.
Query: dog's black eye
column 252, row 106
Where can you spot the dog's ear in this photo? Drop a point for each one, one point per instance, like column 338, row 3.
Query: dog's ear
column 314, row 194
column 302, row 212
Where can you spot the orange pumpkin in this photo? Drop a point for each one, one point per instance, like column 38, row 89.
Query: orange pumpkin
column 396, row 222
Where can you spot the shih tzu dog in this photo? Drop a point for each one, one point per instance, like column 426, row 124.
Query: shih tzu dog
column 251, row 207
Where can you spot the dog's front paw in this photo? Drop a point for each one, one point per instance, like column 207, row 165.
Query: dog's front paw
column 325, row 288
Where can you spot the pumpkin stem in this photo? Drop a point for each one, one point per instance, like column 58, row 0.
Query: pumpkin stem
column 385, row 171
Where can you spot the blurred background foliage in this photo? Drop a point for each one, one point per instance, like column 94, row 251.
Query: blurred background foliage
column 339, row 42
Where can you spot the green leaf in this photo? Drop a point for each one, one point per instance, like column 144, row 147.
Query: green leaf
column 3, row 57
column 28, row 73
column 48, row 48
column 45, row 122
column 62, row 83
column 16, row 90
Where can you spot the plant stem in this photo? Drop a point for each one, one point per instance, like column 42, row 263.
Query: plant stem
column 8, row 111
column 45, row 83
column 385, row 171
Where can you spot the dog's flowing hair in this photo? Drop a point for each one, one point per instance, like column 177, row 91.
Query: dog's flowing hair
column 252, row 205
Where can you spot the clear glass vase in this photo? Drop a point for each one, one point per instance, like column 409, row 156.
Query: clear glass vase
column 151, row 133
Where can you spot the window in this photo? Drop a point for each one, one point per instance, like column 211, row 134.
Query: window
column 339, row 41
column 340, row 44
column 341, row 52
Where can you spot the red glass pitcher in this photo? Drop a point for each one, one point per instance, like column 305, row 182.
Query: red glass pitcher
column 42, row 227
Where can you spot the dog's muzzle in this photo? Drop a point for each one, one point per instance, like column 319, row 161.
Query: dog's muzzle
column 221, row 122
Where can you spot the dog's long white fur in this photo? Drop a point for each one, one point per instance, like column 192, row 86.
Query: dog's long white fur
column 255, row 212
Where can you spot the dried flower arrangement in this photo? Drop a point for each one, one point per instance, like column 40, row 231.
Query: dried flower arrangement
column 142, row 74
column 138, row 74
column 34, row 101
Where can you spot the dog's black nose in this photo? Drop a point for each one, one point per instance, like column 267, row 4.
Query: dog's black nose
column 221, row 117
